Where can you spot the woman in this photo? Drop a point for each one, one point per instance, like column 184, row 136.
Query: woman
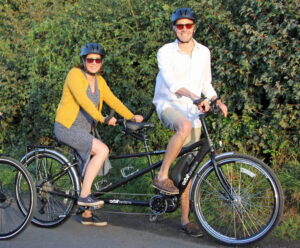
column 84, row 92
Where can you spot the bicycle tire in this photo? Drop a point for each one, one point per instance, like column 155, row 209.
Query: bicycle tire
column 12, row 220
column 257, row 205
column 52, row 209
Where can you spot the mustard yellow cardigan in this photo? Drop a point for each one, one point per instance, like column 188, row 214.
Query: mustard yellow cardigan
column 74, row 96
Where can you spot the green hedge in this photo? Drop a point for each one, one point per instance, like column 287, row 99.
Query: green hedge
column 255, row 65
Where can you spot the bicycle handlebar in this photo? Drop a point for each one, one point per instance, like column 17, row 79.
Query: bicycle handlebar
column 121, row 121
column 213, row 105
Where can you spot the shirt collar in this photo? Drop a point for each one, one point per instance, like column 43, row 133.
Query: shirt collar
column 197, row 45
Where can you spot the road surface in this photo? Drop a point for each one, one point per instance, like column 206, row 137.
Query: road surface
column 126, row 231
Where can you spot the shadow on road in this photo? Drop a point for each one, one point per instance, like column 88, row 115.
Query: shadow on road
column 171, row 228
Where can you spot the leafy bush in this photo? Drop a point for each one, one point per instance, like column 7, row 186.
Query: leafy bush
column 255, row 61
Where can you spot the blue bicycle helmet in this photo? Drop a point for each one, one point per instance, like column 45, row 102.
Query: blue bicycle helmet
column 183, row 13
column 92, row 48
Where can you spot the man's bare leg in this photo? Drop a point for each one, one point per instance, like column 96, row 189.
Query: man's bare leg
column 183, row 129
column 185, row 205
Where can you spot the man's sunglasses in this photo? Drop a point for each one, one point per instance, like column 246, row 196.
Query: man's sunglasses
column 188, row 26
column 90, row 61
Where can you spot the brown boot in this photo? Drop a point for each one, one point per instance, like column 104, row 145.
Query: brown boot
column 192, row 230
column 166, row 186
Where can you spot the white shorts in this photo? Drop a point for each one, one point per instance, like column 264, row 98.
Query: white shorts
column 168, row 117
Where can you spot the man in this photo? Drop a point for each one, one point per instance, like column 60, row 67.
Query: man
column 184, row 75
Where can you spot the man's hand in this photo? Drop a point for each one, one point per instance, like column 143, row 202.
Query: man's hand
column 223, row 107
column 203, row 106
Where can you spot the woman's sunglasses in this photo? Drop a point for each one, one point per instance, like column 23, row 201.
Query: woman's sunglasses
column 90, row 61
column 188, row 26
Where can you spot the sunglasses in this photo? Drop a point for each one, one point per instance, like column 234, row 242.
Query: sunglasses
column 188, row 26
column 90, row 61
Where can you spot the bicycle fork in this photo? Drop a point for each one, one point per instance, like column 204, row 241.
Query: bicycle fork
column 224, row 183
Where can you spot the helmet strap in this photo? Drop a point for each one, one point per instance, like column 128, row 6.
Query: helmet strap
column 90, row 73
column 83, row 63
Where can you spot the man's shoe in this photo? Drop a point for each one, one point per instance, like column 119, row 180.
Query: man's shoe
column 94, row 220
column 192, row 230
column 89, row 201
column 166, row 186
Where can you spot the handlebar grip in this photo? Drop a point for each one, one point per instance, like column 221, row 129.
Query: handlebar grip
column 198, row 101
column 215, row 101
column 120, row 121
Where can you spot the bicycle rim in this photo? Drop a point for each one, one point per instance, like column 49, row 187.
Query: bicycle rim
column 257, row 204
column 52, row 209
column 12, row 220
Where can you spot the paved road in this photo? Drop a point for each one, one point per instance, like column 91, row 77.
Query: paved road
column 126, row 231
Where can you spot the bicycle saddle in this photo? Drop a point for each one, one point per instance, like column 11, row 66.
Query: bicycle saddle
column 135, row 126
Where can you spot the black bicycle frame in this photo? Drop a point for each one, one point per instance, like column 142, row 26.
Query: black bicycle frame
column 205, row 145
column 203, row 150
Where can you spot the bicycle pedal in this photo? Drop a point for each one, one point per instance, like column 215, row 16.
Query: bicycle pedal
column 96, row 207
column 163, row 193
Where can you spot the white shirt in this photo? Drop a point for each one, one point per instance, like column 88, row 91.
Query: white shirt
column 178, row 70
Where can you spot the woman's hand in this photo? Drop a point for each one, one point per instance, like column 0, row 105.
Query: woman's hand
column 112, row 121
column 138, row 118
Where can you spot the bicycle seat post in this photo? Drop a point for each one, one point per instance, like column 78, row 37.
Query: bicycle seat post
column 146, row 146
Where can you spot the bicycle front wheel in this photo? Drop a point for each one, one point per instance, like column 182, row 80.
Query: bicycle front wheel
column 56, row 187
column 255, row 209
column 12, row 220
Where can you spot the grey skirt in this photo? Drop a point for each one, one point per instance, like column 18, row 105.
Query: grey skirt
column 77, row 138
column 80, row 140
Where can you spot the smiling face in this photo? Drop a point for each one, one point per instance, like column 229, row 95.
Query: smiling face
column 93, row 62
column 184, row 29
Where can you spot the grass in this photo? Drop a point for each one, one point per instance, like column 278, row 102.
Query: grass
column 288, row 229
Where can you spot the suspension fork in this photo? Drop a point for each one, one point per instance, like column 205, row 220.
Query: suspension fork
column 220, row 175
column 224, row 183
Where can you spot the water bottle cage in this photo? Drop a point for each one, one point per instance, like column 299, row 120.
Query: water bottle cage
column 126, row 171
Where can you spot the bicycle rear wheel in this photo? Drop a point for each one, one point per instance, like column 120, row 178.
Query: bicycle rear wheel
column 56, row 187
column 12, row 220
column 257, row 204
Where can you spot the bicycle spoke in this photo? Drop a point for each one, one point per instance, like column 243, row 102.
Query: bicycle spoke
column 52, row 178
column 12, row 192
column 250, row 214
